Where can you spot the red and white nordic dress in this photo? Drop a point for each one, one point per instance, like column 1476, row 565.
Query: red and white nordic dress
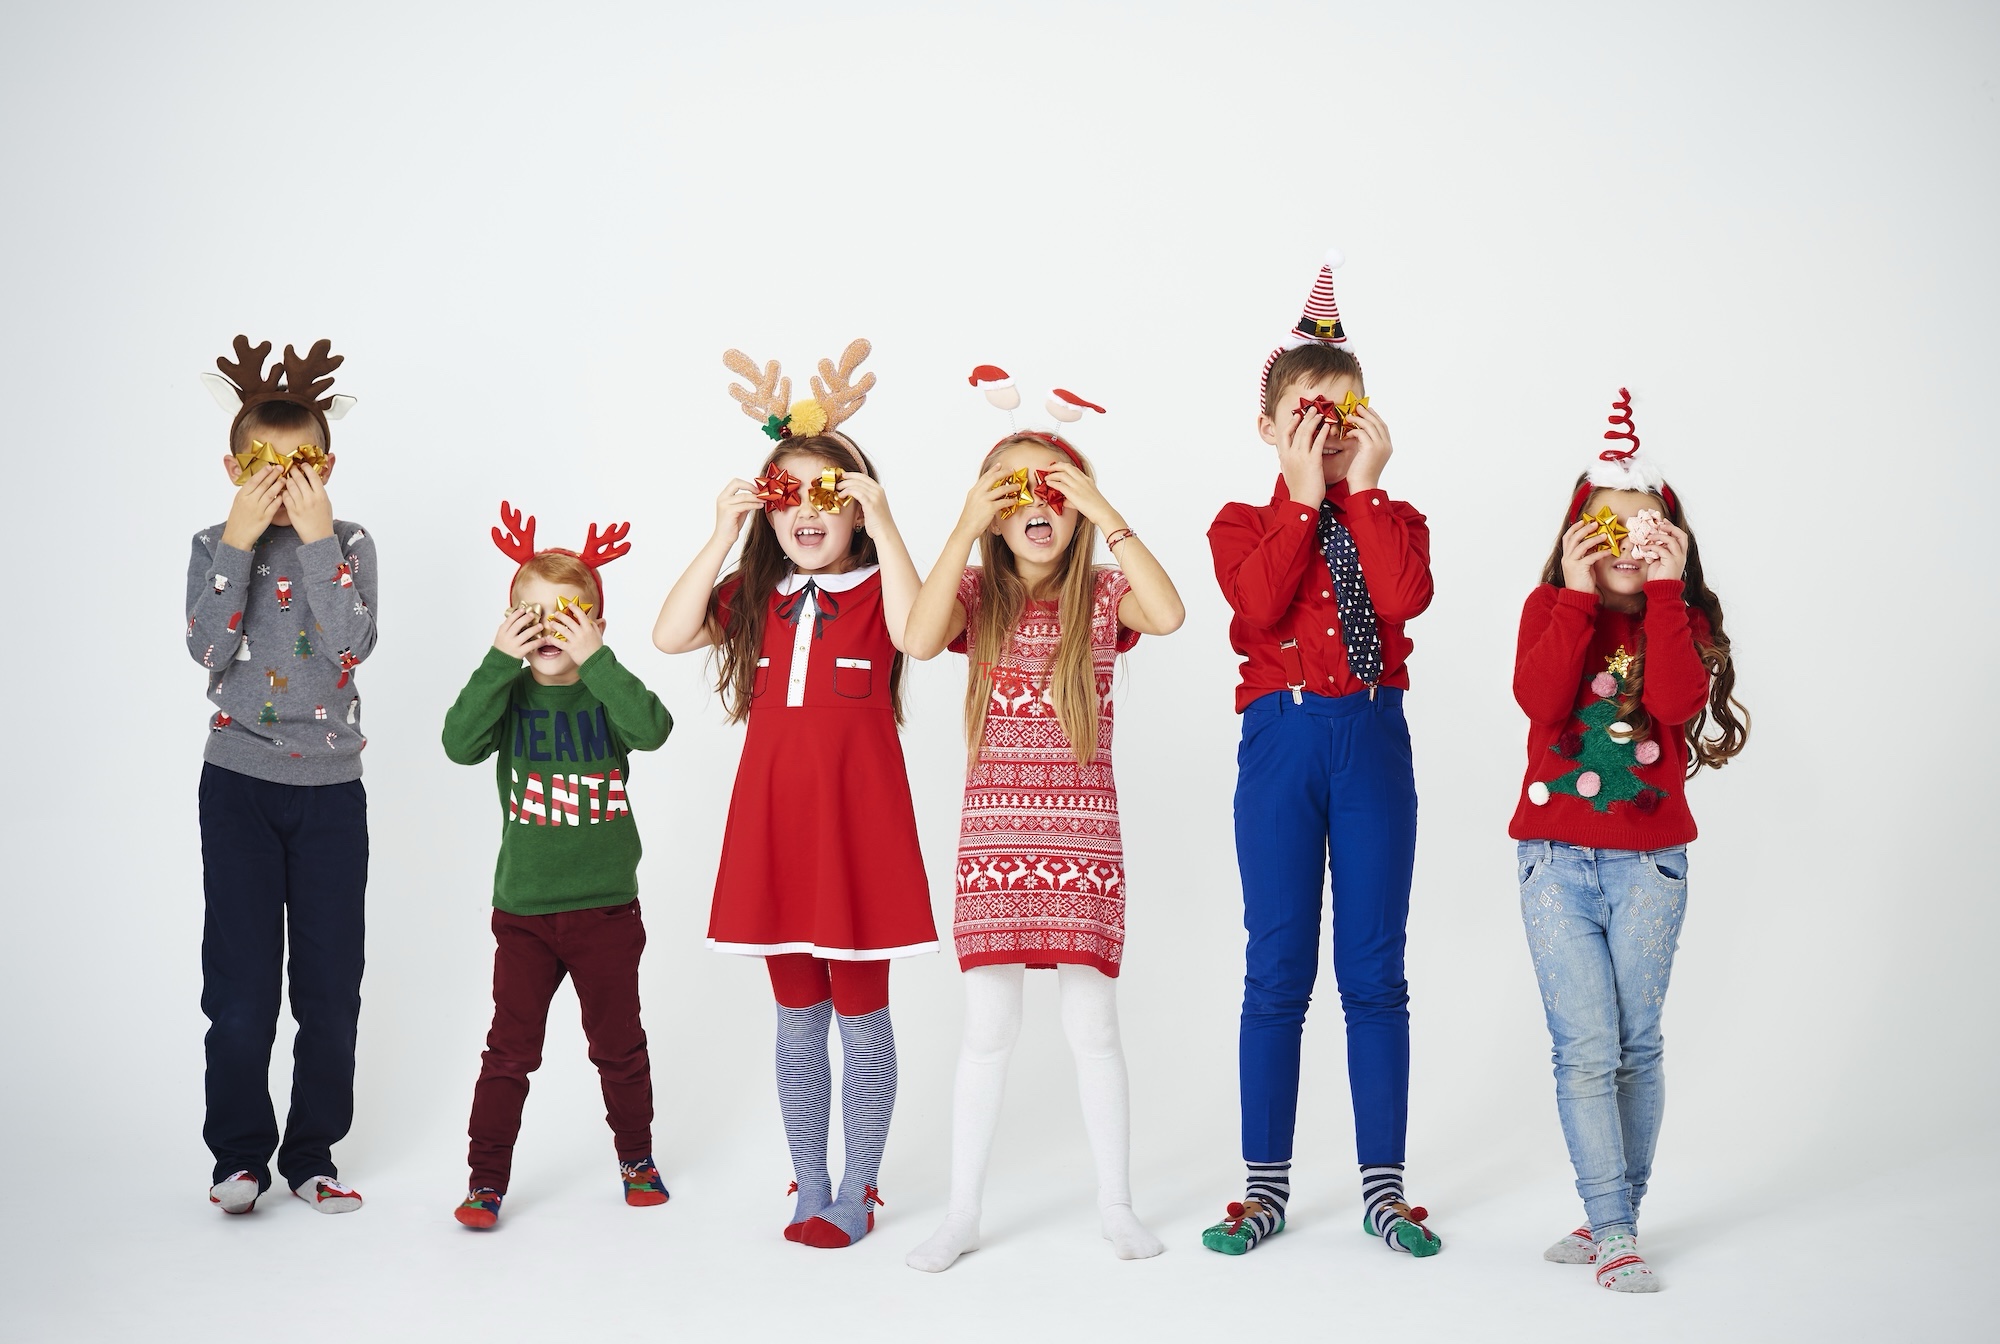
column 1041, row 867
column 820, row 852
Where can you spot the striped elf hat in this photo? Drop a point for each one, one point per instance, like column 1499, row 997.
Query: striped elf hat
column 1319, row 324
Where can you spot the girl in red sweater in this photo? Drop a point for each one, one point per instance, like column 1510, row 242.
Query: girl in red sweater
column 1622, row 664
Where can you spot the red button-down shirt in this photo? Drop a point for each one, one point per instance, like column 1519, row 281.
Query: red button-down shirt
column 1285, row 619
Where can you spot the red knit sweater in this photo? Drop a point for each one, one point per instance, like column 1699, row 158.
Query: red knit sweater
column 1603, row 792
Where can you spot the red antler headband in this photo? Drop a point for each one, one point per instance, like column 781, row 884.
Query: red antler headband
column 1622, row 468
column 517, row 543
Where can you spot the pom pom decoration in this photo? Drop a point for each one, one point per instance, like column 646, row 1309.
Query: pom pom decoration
column 1604, row 686
column 1620, row 732
column 808, row 418
column 1538, row 794
column 823, row 495
column 1648, row 802
column 1647, row 752
column 1588, row 783
column 1570, row 744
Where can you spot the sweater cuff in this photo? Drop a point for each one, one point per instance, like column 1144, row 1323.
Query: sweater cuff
column 231, row 563
column 1664, row 590
column 496, row 661
column 1570, row 597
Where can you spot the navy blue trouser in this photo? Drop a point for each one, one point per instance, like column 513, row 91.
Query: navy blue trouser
column 280, row 859
column 1325, row 786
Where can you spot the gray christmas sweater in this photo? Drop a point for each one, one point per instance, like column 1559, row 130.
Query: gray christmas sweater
column 281, row 629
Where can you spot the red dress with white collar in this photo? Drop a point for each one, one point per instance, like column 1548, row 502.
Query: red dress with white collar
column 820, row 852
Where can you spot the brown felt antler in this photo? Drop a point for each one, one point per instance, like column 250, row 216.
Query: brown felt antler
column 834, row 389
column 518, row 542
column 247, row 373
column 767, row 396
column 307, row 379
column 602, row 550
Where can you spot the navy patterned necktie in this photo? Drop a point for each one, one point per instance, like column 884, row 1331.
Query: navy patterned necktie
column 1358, row 626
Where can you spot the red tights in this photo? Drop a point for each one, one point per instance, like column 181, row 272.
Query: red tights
column 801, row 980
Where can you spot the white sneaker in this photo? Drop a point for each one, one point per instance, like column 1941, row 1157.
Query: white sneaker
column 328, row 1195
column 236, row 1193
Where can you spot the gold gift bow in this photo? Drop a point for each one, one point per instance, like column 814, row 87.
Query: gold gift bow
column 261, row 454
column 563, row 603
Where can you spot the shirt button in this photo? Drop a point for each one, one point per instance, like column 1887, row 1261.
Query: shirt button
column 1324, row 593
column 1329, row 633
column 1305, row 517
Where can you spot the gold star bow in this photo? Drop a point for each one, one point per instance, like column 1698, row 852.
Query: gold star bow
column 261, row 454
column 1611, row 526
column 822, row 494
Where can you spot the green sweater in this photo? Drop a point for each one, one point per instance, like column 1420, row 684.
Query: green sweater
column 567, row 840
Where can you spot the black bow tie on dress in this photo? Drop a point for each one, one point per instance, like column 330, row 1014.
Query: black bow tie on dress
column 825, row 608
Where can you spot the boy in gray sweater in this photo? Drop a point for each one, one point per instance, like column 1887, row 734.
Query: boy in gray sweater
column 281, row 602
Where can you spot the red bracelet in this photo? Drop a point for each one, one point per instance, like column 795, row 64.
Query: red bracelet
column 1122, row 534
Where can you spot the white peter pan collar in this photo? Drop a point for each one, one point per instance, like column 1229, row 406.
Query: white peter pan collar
column 826, row 583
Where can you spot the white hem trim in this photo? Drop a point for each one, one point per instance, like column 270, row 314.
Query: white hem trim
column 824, row 953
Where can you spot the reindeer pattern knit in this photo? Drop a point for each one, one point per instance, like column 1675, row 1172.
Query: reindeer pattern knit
column 281, row 629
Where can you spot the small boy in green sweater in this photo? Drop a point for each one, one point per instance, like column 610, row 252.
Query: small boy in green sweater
column 566, row 888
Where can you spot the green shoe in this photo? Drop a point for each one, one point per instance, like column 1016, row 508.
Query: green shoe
column 1236, row 1234
column 1409, row 1233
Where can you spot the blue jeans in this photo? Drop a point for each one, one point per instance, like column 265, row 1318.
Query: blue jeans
column 1602, row 927
column 1324, row 787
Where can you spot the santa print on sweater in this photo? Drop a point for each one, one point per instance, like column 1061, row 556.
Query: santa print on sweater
column 1589, row 782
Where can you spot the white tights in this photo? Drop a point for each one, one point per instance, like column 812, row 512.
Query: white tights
column 992, row 1024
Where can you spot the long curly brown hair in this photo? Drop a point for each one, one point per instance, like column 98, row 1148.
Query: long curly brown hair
column 763, row 562
column 1731, row 719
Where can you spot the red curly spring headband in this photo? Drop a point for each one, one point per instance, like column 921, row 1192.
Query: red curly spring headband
column 517, row 543
column 1622, row 468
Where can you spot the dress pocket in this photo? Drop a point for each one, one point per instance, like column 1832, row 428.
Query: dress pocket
column 854, row 678
column 762, row 676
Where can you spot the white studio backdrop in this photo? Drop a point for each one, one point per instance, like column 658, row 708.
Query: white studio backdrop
column 533, row 230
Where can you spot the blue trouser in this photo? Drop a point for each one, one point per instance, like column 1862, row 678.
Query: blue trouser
column 1325, row 786
column 278, row 860
column 1602, row 927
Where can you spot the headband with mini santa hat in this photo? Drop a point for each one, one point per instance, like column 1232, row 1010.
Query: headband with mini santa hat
column 1622, row 468
column 517, row 543
column 1318, row 324
column 997, row 386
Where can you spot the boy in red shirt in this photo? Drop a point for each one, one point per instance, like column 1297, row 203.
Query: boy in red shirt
column 1320, row 582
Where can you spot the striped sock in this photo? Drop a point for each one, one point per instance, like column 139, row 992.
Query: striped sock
column 867, row 1100
column 1621, row 1268
column 1267, row 1188
column 1389, row 1217
column 1575, row 1249
column 805, row 1096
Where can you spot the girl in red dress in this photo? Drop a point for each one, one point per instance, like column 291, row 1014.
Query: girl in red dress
column 1041, row 871
column 820, row 874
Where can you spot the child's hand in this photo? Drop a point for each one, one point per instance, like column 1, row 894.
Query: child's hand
column 982, row 506
column 256, row 503
column 1582, row 544
column 1080, row 492
column 1672, row 544
column 868, row 493
column 582, row 635
column 737, row 501
column 520, row 632
column 306, row 502
column 1371, row 451
column 1300, row 438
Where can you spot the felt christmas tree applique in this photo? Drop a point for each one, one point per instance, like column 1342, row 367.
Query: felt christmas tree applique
column 302, row 647
column 1603, row 750
column 268, row 714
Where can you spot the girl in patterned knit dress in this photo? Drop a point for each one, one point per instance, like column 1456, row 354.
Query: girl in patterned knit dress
column 820, row 874
column 1041, row 873
column 1622, row 663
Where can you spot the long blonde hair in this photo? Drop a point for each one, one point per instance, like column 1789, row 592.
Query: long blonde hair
column 1003, row 593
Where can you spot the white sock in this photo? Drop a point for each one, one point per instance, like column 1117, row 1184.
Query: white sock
column 328, row 1195
column 992, row 1024
column 1621, row 1268
column 234, row 1194
column 1090, row 1020
column 1575, row 1249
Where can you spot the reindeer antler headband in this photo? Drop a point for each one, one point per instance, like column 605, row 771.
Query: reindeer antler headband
column 1622, row 468
column 303, row 380
column 997, row 386
column 517, row 543
column 837, row 394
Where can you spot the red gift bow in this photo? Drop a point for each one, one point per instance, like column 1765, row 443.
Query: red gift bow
column 1327, row 407
column 779, row 490
column 1048, row 494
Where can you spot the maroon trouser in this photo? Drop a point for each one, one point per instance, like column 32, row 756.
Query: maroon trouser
column 599, row 950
